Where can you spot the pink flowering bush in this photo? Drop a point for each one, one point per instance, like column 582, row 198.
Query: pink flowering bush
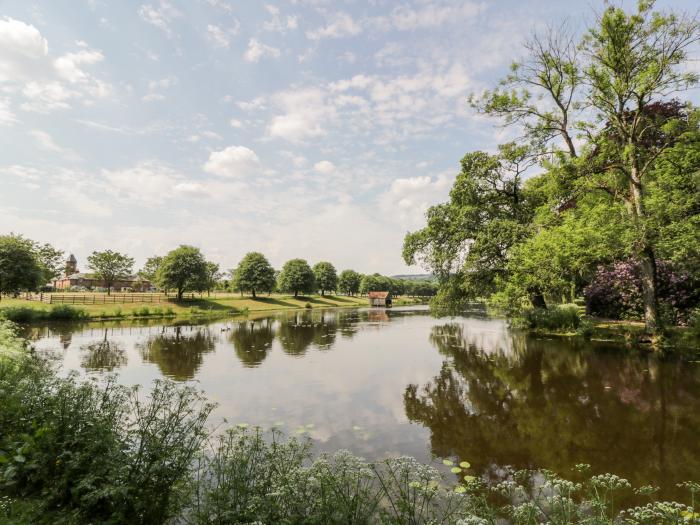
column 616, row 292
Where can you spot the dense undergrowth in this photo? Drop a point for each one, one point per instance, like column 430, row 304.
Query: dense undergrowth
column 74, row 451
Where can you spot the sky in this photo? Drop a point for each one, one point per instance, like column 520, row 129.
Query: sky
column 298, row 128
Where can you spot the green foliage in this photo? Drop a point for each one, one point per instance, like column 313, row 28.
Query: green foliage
column 325, row 276
column 620, row 178
column 19, row 268
column 254, row 274
column 555, row 318
column 183, row 269
column 296, row 277
column 26, row 314
column 110, row 266
column 150, row 269
column 349, row 282
column 99, row 453
column 50, row 261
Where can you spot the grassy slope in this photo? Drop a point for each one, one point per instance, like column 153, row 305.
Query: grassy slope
column 216, row 304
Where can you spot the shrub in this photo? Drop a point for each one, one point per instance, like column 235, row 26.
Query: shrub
column 20, row 314
column 98, row 452
column 64, row 312
column 616, row 292
column 553, row 318
column 144, row 311
column 25, row 314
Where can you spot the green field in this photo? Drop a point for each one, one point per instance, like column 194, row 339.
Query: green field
column 217, row 304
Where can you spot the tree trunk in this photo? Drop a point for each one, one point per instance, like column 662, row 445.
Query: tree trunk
column 179, row 294
column 645, row 253
column 537, row 300
column 296, row 293
column 253, row 294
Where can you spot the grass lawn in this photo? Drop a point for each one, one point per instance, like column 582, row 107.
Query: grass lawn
column 224, row 304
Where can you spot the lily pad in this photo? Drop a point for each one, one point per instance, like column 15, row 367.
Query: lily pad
column 447, row 462
column 469, row 478
column 460, row 489
column 465, row 464
column 456, row 470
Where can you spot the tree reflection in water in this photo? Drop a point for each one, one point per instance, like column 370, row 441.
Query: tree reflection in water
column 179, row 352
column 302, row 329
column 252, row 341
column 533, row 404
column 105, row 354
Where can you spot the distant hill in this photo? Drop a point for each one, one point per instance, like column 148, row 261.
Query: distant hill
column 416, row 277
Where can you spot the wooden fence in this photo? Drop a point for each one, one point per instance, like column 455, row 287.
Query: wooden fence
column 65, row 298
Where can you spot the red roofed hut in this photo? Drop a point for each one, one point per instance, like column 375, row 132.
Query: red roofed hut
column 379, row 299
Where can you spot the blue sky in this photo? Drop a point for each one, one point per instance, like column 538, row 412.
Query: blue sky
column 308, row 128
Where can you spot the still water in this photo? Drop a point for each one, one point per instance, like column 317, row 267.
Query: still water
column 402, row 382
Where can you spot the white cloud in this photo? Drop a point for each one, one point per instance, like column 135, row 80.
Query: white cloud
column 68, row 65
column 324, row 167
column 405, row 18
column 161, row 15
column 235, row 123
column 232, row 162
column 7, row 117
column 255, row 104
column 305, row 112
column 277, row 23
column 410, row 197
column 148, row 182
column 156, row 86
column 23, row 50
column 219, row 37
column 47, row 143
column 340, row 25
column 257, row 50
column 47, row 84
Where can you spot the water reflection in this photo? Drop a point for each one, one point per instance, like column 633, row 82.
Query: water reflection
column 252, row 341
column 401, row 382
column 178, row 352
column 537, row 403
column 104, row 354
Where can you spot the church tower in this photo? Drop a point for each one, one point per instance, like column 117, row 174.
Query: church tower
column 71, row 265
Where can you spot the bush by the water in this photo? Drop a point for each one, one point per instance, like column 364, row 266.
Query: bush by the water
column 25, row 314
column 616, row 292
column 77, row 452
column 553, row 318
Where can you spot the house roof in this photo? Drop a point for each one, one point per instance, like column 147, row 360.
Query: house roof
column 378, row 295
column 91, row 276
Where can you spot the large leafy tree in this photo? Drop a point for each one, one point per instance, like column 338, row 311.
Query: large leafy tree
column 254, row 274
column 296, row 277
column 110, row 266
column 468, row 239
column 614, row 90
column 19, row 267
column 326, row 277
column 349, row 282
column 182, row 269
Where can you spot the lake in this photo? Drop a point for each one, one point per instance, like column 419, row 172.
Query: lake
column 400, row 382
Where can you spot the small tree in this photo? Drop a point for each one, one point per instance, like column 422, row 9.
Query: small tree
column 296, row 276
column 212, row 278
column 19, row 268
column 110, row 266
column 254, row 274
column 50, row 261
column 326, row 277
column 150, row 269
column 349, row 282
column 182, row 269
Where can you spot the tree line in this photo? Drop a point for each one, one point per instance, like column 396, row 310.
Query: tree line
column 26, row 265
column 613, row 209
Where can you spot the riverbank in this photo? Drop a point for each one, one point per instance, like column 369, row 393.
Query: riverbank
column 219, row 305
